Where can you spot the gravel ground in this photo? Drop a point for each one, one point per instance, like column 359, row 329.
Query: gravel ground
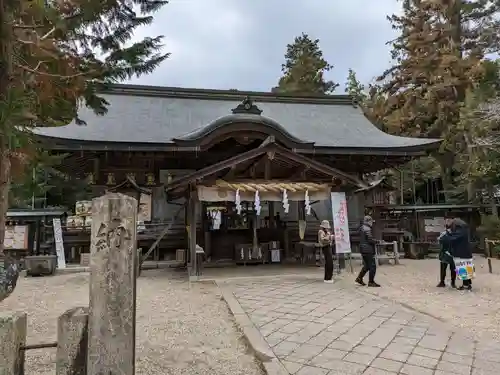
column 414, row 283
column 181, row 329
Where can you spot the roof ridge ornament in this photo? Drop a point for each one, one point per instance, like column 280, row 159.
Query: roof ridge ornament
column 247, row 107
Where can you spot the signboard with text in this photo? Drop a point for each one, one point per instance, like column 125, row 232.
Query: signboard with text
column 340, row 223
column 58, row 238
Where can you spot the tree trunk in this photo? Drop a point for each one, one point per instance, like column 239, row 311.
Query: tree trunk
column 4, row 187
column 446, row 161
column 5, row 86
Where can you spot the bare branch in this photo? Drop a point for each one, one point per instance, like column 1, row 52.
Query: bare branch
column 45, row 74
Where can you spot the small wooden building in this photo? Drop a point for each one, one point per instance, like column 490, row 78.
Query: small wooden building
column 172, row 146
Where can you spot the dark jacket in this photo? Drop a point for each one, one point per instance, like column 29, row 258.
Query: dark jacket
column 445, row 250
column 366, row 241
column 458, row 241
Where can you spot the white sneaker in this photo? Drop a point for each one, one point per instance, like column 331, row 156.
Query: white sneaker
column 328, row 281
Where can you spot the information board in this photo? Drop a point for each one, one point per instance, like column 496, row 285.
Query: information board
column 16, row 237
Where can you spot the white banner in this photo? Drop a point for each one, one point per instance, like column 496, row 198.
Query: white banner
column 58, row 238
column 340, row 223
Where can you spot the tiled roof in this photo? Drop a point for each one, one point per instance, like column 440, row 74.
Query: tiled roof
column 146, row 114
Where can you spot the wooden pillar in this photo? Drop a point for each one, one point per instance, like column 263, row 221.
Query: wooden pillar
column 111, row 346
column 72, row 343
column 206, row 231
column 192, row 216
column 13, row 329
column 267, row 177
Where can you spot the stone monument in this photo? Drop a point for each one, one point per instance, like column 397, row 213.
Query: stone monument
column 111, row 322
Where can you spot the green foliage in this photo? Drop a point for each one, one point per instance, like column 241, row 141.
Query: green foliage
column 304, row 69
column 355, row 88
column 478, row 161
column 43, row 184
column 62, row 52
column 430, row 75
column 371, row 100
column 439, row 81
column 55, row 56
column 490, row 227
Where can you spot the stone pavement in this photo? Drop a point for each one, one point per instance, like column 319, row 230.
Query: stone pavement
column 317, row 329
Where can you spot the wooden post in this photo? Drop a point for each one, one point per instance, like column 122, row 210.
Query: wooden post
column 138, row 263
column 396, row 252
column 192, row 210
column 72, row 343
column 111, row 341
column 13, row 329
column 487, row 245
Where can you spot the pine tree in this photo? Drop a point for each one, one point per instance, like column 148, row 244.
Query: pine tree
column 55, row 56
column 304, row 69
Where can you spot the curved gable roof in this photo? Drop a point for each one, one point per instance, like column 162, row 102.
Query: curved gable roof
column 143, row 114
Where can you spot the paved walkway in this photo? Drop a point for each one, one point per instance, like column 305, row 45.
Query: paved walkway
column 316, row 329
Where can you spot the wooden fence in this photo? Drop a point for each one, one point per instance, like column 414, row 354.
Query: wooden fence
column 99, row 339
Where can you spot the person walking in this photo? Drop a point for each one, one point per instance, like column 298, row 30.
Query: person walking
column 445, row 257
column 325, row 243
column 367, row 249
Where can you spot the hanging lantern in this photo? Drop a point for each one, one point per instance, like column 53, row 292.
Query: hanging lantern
column 286, row 205
column 150, row 179
column 237, row 201
column 256, row 203
column 111, row 179
column 307, row 204
column 90, row 179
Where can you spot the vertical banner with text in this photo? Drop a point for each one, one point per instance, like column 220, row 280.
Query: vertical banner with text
column 58, row 238
column 340, row 223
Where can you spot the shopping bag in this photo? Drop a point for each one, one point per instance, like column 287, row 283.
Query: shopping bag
column 464, row 268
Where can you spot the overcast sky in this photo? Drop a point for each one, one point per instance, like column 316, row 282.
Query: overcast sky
column 240, row 44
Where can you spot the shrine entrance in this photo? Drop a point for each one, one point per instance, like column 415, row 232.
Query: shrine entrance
column 245, row 212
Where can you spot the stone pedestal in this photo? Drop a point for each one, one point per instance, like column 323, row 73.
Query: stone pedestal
column 40, row 265
column 111, row 348
column 13, row 329
column 72, row 334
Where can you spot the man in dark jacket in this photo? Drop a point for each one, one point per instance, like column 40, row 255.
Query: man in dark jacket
column 445, row 257
column 367, row 245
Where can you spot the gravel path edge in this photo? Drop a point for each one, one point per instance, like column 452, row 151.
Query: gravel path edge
column 261, row 349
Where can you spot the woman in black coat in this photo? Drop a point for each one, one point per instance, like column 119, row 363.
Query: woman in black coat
column 460, row 245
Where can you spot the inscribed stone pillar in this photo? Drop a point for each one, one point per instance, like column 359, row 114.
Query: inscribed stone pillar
column 111, row 341
column 72, row 343
column 13, row 329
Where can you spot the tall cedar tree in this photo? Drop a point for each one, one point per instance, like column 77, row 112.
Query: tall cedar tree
column 479, row 166
column 55, row 56
column 434, row 66
column 304, row 69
